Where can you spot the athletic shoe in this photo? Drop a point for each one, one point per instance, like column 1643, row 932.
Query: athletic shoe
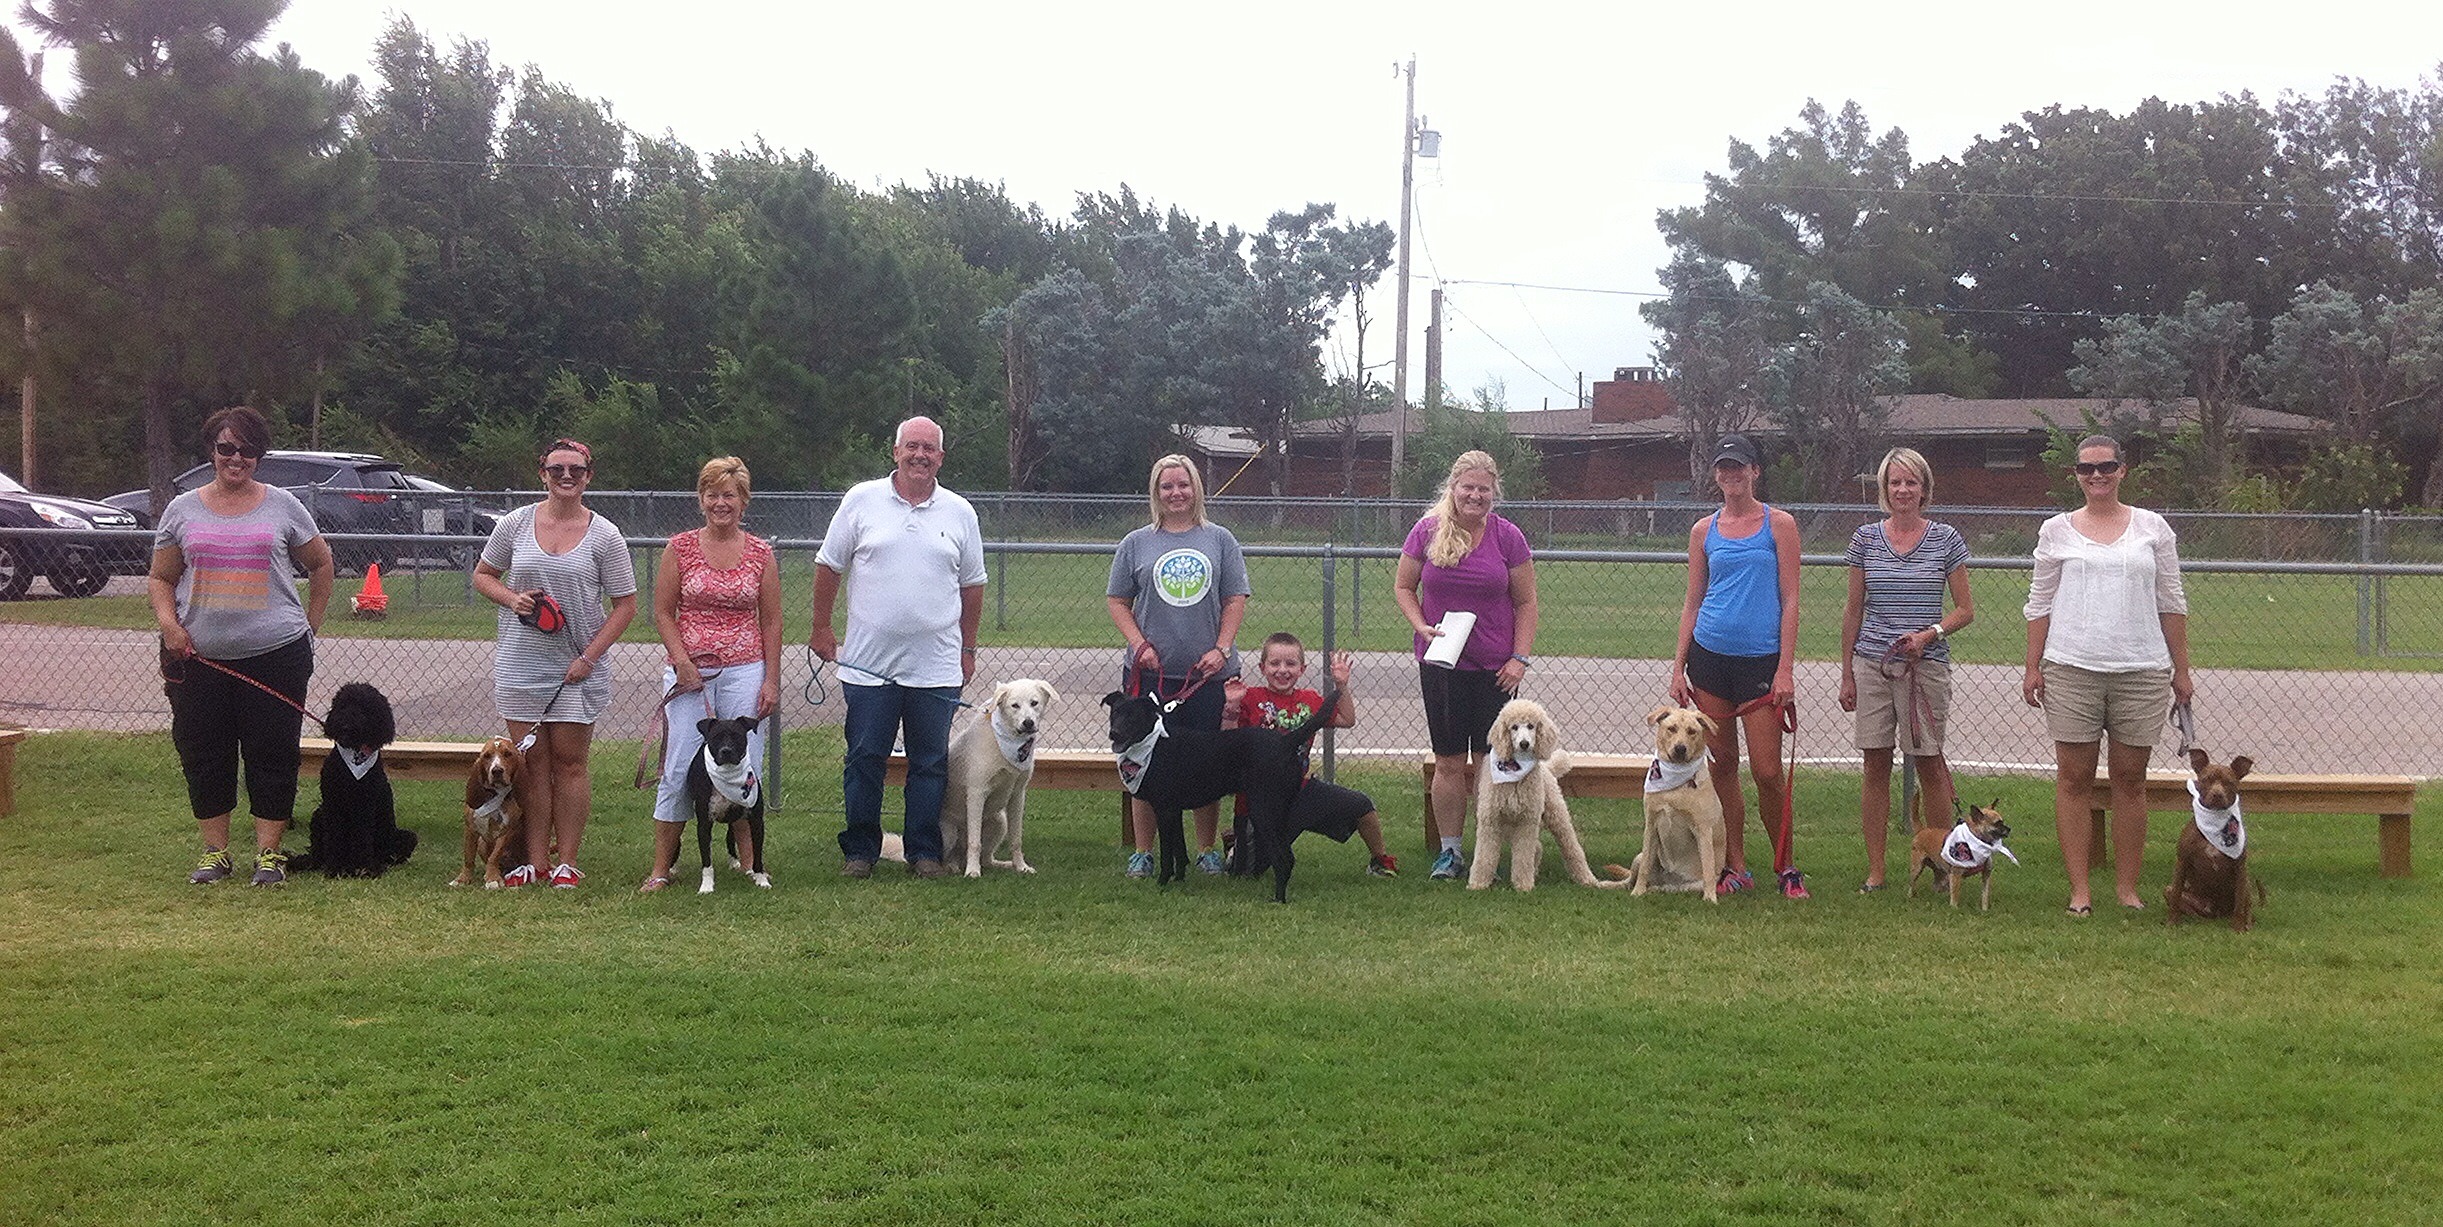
column 1448, row 866
column 1793, row 884
column 565, row 876
column 1210, row 862
column 1140, row 865
column 215, row 865
column 523, row 875
column 1384, row 866
column 1733, row 881
column 271, row 868
column 857, row 867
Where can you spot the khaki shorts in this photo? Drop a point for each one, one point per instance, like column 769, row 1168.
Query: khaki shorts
column 1883, row 705
column 2082, row 705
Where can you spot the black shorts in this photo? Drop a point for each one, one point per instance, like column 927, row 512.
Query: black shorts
column 1735, row 679
column 1328, row 810
column 1201, row 713
column 1460, row 706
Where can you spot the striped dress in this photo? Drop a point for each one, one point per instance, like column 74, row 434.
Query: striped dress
column 528, row 666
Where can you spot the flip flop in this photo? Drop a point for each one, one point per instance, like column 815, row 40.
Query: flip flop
column 2083, row 909
column 1868, row 888
column 651, row 885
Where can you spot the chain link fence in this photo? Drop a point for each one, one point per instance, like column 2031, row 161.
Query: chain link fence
column 2318, row 640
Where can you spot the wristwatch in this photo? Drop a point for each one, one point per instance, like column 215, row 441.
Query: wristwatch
column 1939, row 633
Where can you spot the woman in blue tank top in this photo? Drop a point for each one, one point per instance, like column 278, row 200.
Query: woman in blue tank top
column 1738, row 638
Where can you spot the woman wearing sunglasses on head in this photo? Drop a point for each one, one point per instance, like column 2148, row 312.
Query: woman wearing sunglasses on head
column 549, row 566
column 230, row 618
column 2107, row 656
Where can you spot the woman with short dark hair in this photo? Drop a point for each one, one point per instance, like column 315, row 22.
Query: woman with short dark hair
column 2107, row 657
column 237, row 643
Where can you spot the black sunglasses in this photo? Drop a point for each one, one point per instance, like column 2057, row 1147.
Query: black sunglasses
column 2100, row 468
column 248, row 450
column 568, row 470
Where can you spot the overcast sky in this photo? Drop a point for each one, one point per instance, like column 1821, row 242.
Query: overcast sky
column 1564, row 127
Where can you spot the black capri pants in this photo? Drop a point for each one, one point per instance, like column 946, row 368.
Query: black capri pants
column 216, row 721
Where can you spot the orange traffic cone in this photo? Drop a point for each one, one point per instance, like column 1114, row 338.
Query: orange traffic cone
column 370, row 603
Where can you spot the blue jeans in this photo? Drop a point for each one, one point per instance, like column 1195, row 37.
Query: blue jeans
column 876, row 715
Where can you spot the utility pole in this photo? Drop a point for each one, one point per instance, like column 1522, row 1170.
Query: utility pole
column 25, row 383
column 1399, row 344
column 1433, row 354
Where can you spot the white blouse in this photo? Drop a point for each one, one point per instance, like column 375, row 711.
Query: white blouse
column 2105, row 600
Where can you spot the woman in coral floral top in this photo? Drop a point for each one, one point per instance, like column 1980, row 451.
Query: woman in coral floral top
column 716, row 602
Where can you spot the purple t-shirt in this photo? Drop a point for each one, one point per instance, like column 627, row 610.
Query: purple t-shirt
column 1480, row 584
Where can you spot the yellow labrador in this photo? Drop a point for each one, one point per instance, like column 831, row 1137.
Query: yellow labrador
column 991, row 761
column 1682, row 850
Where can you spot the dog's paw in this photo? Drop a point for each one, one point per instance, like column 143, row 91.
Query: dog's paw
column 1022, row 867
column 762, row 880
column 493, row 884
column 705, row 887
column 976, row 871
column 460, row 880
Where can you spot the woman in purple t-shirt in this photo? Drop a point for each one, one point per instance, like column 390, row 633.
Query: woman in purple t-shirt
column 1463, row 558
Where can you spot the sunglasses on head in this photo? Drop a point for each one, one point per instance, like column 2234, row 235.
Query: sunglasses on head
column 2099, row 468
column 248, row 450
column 568, row 470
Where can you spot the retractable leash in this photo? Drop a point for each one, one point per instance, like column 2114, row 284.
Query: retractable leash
column 526, row 742
column 1789, row 773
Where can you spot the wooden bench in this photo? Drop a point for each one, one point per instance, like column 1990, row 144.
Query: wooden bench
column 1060, row 770
column 2389, row 797
column 408, row 760
column 8, row 770
column 1613, row 776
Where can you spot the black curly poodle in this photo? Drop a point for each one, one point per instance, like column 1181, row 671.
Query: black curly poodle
column 355, row 831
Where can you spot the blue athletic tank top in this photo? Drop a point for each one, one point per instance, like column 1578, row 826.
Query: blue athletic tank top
column 1741, row 613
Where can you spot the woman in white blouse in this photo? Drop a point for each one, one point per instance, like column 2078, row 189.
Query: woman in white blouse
column 2107, row 656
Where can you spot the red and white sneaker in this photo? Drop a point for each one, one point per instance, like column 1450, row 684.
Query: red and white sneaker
column 565, row 876
column 523, row 875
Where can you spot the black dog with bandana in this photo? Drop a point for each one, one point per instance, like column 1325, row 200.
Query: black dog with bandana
column 355, row 830
column 1177, row 771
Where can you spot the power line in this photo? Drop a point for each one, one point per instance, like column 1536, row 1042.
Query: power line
column 1453, row 307
column 1762, row 300
column 1985, row 194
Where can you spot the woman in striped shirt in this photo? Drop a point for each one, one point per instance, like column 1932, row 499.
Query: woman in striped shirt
column 1895, row 655
column 552, row 681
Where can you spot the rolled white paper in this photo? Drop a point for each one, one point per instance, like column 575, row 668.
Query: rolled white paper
column 1444, row 649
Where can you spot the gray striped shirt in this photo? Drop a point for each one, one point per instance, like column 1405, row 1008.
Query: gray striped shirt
column 528, row 665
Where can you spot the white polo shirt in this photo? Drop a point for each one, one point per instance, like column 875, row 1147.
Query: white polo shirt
column 903, row 564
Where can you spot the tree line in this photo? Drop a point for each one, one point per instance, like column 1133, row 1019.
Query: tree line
column 2238, row 253
column 456, row 261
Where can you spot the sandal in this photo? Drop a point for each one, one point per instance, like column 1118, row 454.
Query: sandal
column 653, row 884
column 1868, row 888
column 2081, row 909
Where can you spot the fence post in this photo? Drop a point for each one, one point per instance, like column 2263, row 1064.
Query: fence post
column 2366, row 589
column 2383, row 590
column 1000, row 591
column 1331, row 599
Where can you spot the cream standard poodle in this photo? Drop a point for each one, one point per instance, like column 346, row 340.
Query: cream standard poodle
column 1518, row 794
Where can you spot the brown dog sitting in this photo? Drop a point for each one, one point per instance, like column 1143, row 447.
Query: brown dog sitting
column 1965, row 850
column 493, row 810
column 2210, row 872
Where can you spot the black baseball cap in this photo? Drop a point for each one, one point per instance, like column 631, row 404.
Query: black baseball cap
column 1735, row 449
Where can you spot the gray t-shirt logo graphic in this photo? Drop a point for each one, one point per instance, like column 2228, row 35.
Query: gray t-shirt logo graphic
column 1182, row 577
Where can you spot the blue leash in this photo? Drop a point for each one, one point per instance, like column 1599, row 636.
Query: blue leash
column 816, row 696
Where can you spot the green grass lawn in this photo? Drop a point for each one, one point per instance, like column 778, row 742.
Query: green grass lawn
column 1587, row 609
column 1075, row 1047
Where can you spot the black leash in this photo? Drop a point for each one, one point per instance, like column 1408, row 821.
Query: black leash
column 816, row 696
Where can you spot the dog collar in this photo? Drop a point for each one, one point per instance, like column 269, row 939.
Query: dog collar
column 2222, row 828
column 1667, row 776
column 359, row 762
column 1134, row 759
column 736, row 784
column 1510, row 770
column 1020, row 751
column 1963, row 850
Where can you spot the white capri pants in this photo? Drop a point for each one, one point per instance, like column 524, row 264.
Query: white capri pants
column 732, row 693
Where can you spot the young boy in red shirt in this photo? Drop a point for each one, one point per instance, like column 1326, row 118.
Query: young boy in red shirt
column 1323, row 807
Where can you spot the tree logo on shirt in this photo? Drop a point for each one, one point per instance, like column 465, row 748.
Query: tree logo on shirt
column 1183, row 577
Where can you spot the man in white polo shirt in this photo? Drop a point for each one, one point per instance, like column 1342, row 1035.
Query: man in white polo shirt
column 914, row 560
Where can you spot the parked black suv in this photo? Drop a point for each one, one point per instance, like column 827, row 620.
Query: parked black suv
column 76, row 562
column 347, row 492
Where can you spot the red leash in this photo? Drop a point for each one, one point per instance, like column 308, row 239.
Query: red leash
column 251, row 681
column 1194, row 685
column 1789, row 772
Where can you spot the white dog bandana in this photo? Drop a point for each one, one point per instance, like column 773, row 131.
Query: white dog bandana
column 1667, row 776
column 735, row 783
column 1134, row 758
column 2221, row 827
column 1018, row 750
column 1963, row 850
column 1510, row 770
column 358, row 765
column 490, row 810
